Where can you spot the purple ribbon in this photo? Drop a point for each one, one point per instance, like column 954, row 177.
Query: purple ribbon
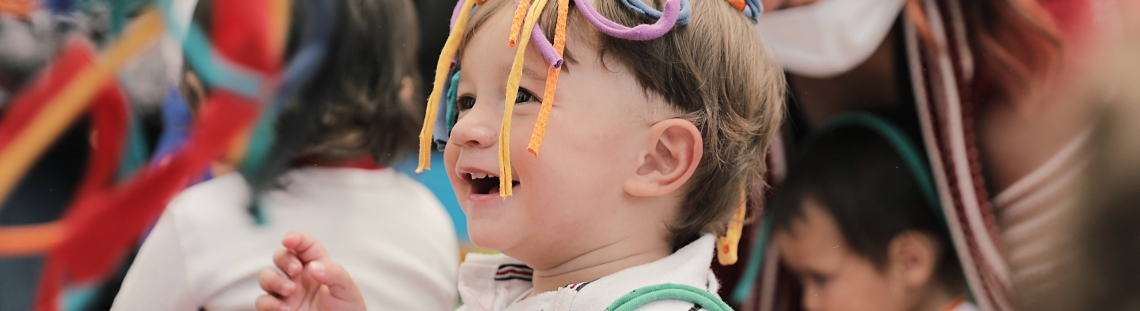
column 545, row 48
column 455, row 13
column 640, row 32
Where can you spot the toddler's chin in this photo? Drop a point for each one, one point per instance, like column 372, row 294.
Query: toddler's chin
column 489, row 238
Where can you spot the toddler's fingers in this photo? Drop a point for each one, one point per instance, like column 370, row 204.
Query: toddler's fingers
column 306, row 247
column 276, row 284
column 334, row 276
column 287, row 262
column 270, row 303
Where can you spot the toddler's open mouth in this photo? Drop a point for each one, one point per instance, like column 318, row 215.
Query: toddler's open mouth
column 482, row 183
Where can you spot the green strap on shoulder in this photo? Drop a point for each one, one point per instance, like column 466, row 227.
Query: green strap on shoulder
column 644, row 295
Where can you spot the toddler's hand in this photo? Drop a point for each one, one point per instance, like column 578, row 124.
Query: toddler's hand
column 313, row 281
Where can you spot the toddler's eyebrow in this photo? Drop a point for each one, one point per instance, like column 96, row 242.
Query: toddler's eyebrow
column 534, row 76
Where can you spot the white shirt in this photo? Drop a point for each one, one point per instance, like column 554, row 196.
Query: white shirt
column 965, row 306
column 390, row 233
column 498, row 282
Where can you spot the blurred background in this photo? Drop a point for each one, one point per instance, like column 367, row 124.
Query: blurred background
column 1029, row 108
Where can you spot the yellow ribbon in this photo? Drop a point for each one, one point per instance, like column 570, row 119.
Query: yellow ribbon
column 509, row 105
column 441, row 69
column 728, row 246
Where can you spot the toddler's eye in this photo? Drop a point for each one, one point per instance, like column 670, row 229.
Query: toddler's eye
column 524, row 95
column 820, row 280
column 465, row 102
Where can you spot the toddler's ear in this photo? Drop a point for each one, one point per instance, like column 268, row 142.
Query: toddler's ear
column 670, row 156
column 915, row 256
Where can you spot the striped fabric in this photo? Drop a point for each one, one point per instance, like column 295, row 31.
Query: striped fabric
column 1025, row 253
column 509, row 272
column 940, row 77
column 1031, row 210
column 577, row 286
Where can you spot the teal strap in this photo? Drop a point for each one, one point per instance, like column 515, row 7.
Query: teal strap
column 211, row 67
column 902, row 145
column 644, row 295
column 134, row 151
column 755, row 261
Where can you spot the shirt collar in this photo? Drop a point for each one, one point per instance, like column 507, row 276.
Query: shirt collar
column 494, row 282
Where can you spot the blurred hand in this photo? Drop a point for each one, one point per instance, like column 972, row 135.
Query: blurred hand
column 312, row 281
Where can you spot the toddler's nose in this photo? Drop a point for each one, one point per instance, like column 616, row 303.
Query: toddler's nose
column 476, row 129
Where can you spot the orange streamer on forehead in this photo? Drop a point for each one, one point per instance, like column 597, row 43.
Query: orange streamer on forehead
column 517, row 21
column 551, row 81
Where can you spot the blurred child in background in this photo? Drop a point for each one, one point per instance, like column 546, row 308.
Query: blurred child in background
column 857, row 221
column 206, row 251
column 980, row 79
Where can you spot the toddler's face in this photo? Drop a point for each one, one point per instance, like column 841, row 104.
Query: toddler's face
column 564, row 199
column 834, row 277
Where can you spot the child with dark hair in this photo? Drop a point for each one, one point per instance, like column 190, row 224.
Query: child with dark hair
column 207, row 250
column 859, row 224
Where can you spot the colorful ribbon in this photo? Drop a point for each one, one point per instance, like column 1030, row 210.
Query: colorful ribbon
column 19, row 8
column 452, row 97
column 102, row 225
column 75, row 55
column 521, row 7
column 638, row 33
column 551, row 81
column 505, row 179
column 72, row 99
column 441, row 69
column 215, row 70
column 266, row 155
column 644, row 9
column 728, row 245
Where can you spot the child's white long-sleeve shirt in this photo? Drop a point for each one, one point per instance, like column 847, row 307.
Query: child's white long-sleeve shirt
column 389, row 232
column 499, row 283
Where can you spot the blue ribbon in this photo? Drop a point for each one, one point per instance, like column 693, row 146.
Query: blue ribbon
column 452, row 97
column 644, row 9
column 258, row 164
column 753, row 9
